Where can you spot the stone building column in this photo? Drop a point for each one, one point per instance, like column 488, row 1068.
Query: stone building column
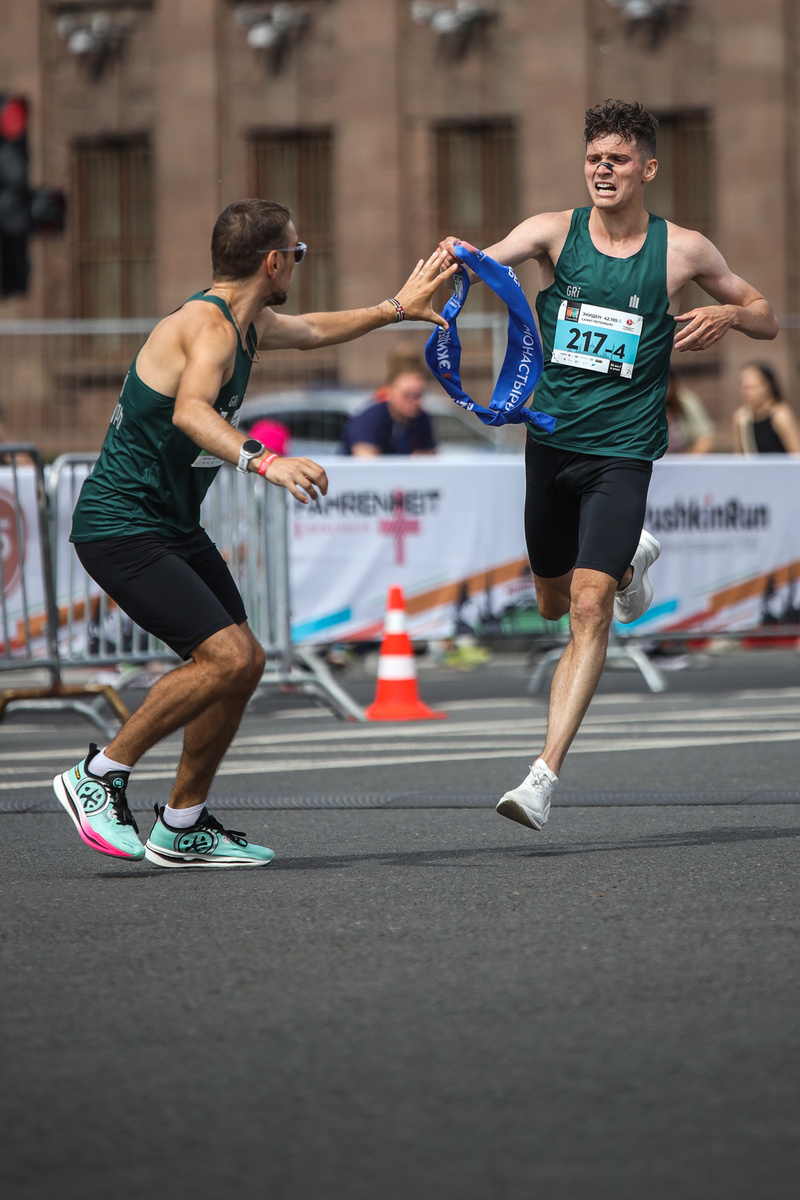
column 751, row 132
column 187, row 147
column 367, row 162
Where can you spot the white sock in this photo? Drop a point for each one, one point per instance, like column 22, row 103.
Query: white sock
column 100, row 765
column 182, row 818
column 550, row 775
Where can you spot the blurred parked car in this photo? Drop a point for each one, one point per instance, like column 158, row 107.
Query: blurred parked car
column 316, row 419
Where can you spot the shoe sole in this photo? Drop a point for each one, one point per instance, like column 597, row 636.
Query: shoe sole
column 517, row 812
column 88, row 836
column 162, row 859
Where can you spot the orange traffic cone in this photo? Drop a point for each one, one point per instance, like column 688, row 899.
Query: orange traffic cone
column 396, row 697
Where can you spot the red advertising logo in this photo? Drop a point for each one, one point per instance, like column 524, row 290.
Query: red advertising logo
column 9, row 543
column 399, row 527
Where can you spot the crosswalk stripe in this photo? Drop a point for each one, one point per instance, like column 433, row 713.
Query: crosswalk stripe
column 231, row 767
column 486, row 736
column 721, row 717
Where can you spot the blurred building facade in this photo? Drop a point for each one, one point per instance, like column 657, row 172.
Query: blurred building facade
column 384, row 124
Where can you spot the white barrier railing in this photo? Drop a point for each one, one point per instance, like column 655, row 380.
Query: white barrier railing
column 59, row 380
column 29, row 617
column 55, row 617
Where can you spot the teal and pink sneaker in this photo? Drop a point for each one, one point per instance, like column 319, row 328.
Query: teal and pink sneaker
column 99, row 809
column 204, row 844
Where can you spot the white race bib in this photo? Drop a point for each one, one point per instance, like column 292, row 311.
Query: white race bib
column 596, row 339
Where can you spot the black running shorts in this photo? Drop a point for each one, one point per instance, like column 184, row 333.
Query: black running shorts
column 582, row 510
column 177, row 588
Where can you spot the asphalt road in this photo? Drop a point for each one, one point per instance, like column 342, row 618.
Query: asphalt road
column 417, row 998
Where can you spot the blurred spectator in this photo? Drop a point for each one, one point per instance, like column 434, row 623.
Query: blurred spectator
column 765, row 424
column 690, row 427
column 395, row 423
column 271, row 434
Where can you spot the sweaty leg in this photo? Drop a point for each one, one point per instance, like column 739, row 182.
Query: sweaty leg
column 578, row 672
column 224, row 671
column 207, row 738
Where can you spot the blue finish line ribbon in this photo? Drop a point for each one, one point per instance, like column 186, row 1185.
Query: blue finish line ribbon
column 523, row 363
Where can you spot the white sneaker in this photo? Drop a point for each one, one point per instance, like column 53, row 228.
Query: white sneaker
column 635, row 599
column 529, row 804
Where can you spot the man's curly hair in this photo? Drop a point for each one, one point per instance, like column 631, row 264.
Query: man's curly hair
column 632, row 122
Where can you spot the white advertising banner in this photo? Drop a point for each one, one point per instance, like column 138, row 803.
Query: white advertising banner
column 23, row 583
column 22, row 576
column 446, row 530
column 731, row 543
column 450, row 533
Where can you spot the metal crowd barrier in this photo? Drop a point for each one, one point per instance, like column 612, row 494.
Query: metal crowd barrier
column 628, row 650
column 29, row 617
column 79, row 627
column 621, row 650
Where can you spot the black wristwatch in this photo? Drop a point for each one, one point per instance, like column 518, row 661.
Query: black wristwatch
column 248, row 449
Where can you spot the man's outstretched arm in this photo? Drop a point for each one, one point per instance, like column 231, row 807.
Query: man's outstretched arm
column 533, row 238
column 312, row 330
column 740, row 306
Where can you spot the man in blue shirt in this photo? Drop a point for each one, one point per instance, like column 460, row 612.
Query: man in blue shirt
column 395, row 423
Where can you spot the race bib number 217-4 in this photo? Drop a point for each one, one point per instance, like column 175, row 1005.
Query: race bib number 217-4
column 596, row 339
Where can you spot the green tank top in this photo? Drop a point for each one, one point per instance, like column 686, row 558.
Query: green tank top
column 607, row 337
column 150, row 477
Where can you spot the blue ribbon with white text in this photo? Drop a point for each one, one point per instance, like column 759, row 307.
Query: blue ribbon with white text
column 523, row 362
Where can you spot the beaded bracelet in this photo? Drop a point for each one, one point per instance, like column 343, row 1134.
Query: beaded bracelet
column 401, row 312
column 264, row 465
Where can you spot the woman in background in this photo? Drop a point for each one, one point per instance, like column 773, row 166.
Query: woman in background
column 765, row 424
column 690, row 427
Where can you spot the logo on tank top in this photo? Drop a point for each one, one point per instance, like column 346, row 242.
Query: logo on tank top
column 633, row 302
column 572, row 291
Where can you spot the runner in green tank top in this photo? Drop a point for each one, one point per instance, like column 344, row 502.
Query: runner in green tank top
column 143, row 445
column 612, row 277
column 136, row 525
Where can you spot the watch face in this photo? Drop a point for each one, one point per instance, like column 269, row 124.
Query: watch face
column 251, row 447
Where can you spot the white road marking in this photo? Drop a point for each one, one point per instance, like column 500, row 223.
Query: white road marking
column 485, row 733
column 691, row 723
column 232, row 767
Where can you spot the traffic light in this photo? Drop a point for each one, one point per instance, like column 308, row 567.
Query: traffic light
column 15, row 195
column 23, row 210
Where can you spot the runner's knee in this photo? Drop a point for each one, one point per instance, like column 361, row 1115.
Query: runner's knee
column 234, row 657
column 246, row 665
column 591, row 609
column 259, row 661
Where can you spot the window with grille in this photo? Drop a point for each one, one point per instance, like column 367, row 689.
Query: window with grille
column 476, row 186
column 683, row 189
column 114, row 229
column 295, row 169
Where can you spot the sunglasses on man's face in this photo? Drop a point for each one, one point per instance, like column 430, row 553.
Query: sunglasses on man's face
column 299, row 251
